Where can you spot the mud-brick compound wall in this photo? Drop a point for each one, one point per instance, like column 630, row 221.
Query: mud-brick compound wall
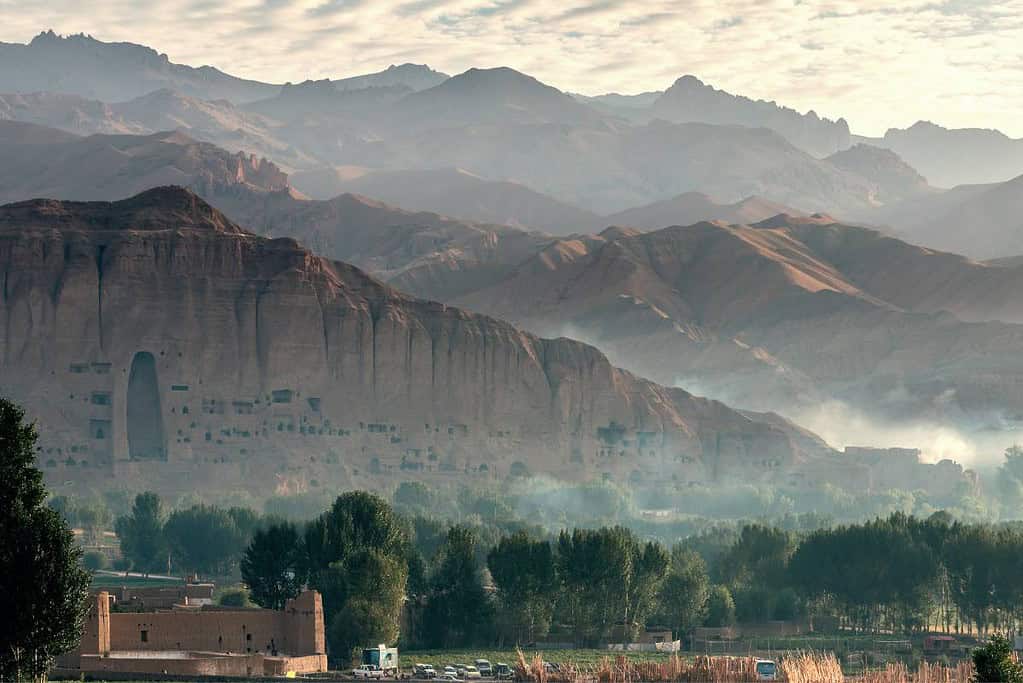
column 295, row 630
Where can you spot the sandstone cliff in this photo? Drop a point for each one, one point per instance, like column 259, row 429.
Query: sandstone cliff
column 156, row 341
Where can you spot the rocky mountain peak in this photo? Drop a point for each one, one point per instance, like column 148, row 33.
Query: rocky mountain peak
column 161, row 208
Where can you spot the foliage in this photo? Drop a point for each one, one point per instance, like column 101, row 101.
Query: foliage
column 720, row 607
column 141, row 533
column 204, row 539
column 607, row 577
column 683, row 596
column 372, row 611
column 524, row 573
column 356, row 555
column 459, row 609
column 274, row 565
column 45, row 590
column 94, row 561
column 234, row 597
column 995, row 662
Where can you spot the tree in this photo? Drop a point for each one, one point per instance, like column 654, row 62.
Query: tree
column 994, row 662
column 94, row 561
column 204, row 539
column 720, row 607
column 45, row 590
column 274, row 566
column 372, row 610
column 234, row 597
column 141, row 533
column 458, row 605
column 683, row 595
column 336, row 546
column 524, row 573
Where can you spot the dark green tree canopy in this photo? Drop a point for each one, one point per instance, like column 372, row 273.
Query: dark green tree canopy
column 274, row 565
column 45, row 590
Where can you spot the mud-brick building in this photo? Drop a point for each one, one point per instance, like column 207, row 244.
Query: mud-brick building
column 203, row 641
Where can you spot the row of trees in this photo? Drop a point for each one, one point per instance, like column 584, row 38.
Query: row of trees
column 204, row 539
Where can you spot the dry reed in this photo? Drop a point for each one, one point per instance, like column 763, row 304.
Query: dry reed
column 803, row 667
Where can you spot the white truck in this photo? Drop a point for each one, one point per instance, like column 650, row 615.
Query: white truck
column 383, row 658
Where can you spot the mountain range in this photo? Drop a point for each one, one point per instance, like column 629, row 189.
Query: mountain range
column 156, row 340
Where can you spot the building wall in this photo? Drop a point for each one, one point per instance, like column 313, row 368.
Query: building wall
column 296, row 630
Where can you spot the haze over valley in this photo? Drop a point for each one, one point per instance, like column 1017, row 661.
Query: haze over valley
column 768, row 258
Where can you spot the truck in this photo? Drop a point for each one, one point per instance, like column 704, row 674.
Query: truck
column 383, row 657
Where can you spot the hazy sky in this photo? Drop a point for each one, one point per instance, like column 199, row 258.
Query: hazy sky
column 879, row 64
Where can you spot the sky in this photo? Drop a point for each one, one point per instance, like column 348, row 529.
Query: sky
column 958, row 63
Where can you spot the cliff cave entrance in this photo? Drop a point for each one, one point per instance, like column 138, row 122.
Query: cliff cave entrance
column 145, row 421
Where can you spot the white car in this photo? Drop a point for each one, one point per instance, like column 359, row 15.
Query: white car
column 767, row 670
column 472, row 673
column 447, row 677
column 368, row 671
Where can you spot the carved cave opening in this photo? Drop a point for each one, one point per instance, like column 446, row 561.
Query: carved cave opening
column 145, row 419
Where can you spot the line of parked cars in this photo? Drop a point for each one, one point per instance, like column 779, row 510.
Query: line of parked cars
column 479, row 669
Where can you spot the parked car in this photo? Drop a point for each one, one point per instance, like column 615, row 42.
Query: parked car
column 425, row 671
column 450, row 671
column 471, row 673
column 447, row 677
column 368, row 671
column 503, row 671
column 767, row 670
column 485, row 669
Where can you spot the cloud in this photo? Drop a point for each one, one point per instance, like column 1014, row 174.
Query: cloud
column 878, row 64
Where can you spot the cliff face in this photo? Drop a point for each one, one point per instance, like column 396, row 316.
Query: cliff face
column 156, row 341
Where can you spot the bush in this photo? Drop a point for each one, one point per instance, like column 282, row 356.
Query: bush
column 94, row 561
column 995, row 663
column 234, row 597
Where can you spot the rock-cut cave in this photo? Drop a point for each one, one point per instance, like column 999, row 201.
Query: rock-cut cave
column 145, row 421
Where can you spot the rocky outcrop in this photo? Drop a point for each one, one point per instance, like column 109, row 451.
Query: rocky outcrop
column 157, row 342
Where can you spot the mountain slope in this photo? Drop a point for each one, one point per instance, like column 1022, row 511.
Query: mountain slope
column 454, row 192
column 184, row 326
column 42, row 162
column 689, row 100
column 693, row 207
column 500, row 96
column 112, row 72
column 981, row 221
column 411, row 76
column 951, row 157
column 789, row 314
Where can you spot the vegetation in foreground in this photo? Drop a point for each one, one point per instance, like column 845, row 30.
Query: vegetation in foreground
column 45, row 591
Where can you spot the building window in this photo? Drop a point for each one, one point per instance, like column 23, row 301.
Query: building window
column 145, row 636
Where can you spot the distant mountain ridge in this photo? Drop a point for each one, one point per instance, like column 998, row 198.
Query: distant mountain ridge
column 113, row 72
column 952, row 157
column 690, row 100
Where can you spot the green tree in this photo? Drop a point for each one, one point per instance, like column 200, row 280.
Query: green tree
column 204, row 539
column 372, row 610
column 683, row 595
column 720, row 607
column 274, row 566
column 45, row 591
column 336, row 547
column 141, row 533
column 994, row 662
column 94, row 561
column 524, row 573
column 459, row 608
column 234, row 597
